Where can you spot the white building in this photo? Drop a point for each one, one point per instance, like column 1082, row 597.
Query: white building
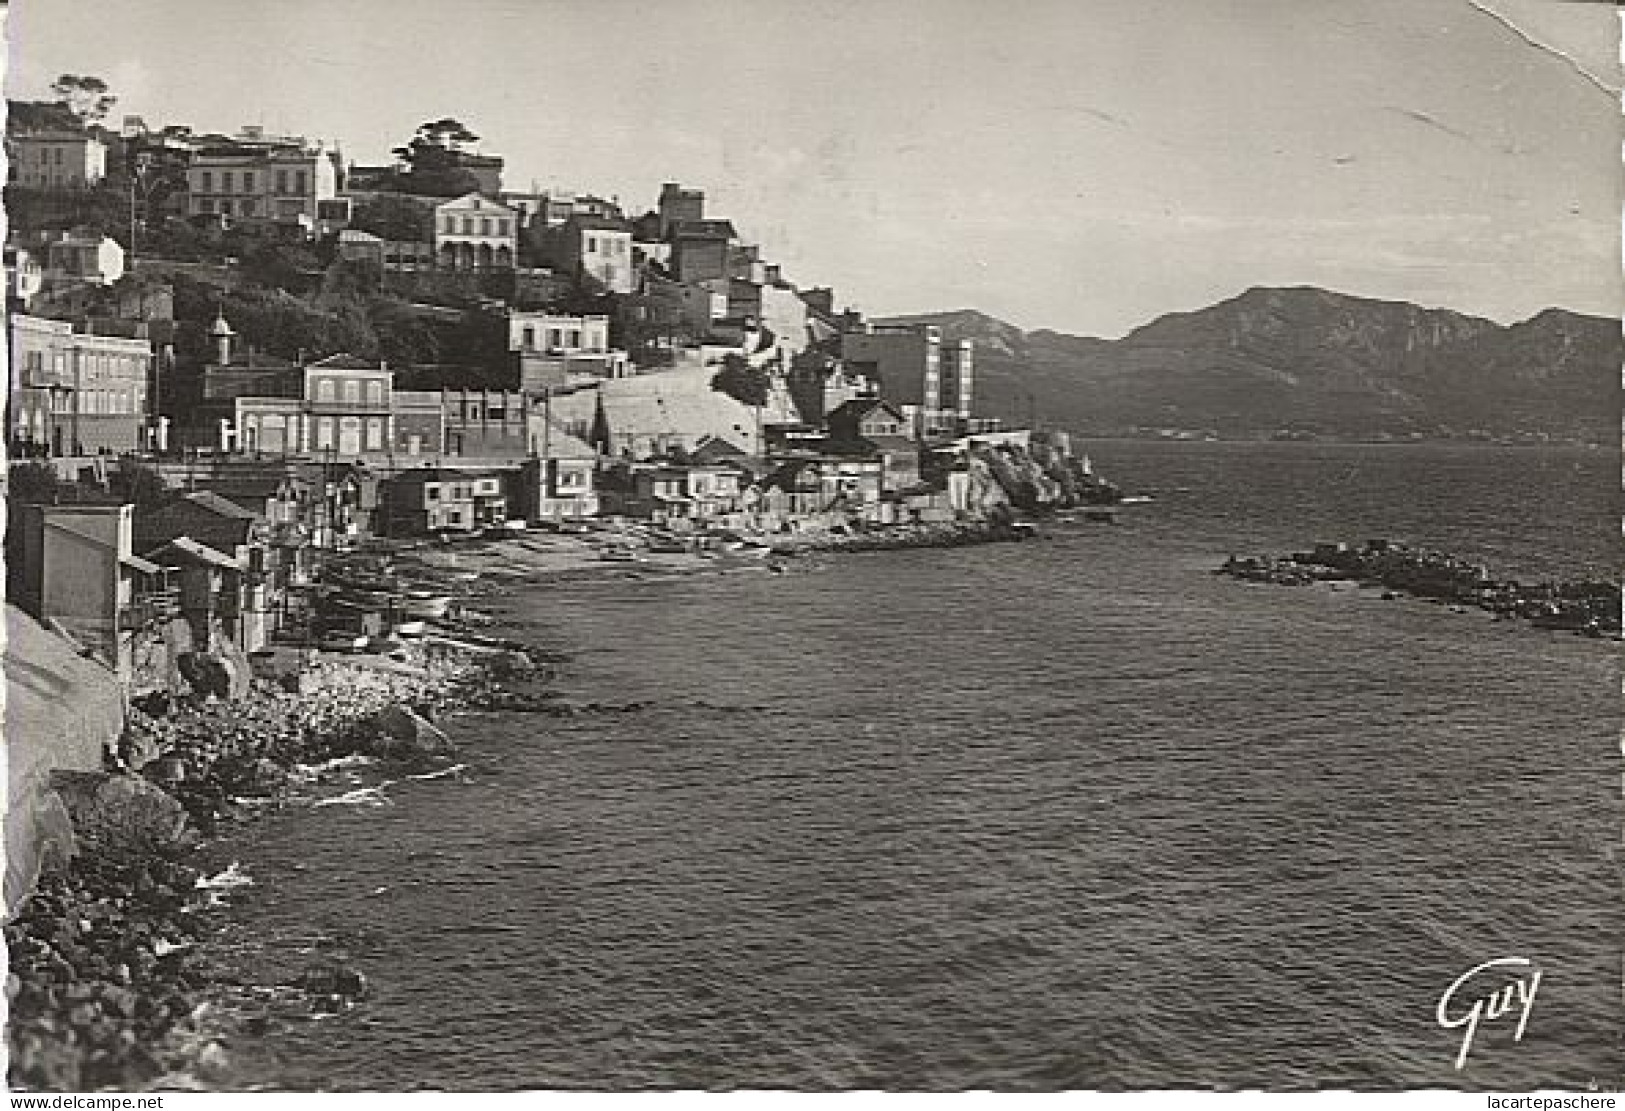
column 556, row 350
column 474, row 232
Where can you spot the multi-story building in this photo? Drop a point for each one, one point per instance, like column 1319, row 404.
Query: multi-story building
column 428, row 500
column 959, row 377
column 473, row 232
column 559, row 480
column 254, row 180
column 556, row 350
column 485, row 424
column 906, row 360
column 57, row 160
column 75, row 393
column 598, row 249
column 75, row 568
column 679, row 205
column 420, row 422
column 702, row 250
column 343, row 411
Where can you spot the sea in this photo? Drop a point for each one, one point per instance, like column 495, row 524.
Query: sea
column 1074, row 813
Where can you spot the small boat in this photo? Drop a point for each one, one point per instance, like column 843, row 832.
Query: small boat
column 410, row 629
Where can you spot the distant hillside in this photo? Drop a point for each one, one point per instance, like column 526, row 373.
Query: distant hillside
column 1307, row 361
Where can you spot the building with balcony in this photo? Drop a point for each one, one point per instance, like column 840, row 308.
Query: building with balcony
column 556, row 350
column 473, row 232
column 222, row 556
column 344, row 411
column 75, row 393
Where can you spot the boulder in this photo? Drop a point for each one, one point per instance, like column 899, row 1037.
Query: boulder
column 406, row 737
column 119, row 817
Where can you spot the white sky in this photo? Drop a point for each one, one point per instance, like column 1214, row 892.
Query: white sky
column 1084, row 165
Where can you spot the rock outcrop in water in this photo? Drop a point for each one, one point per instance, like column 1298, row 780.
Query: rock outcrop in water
column 1590, row 608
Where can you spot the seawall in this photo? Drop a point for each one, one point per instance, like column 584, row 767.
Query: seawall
column 61, row 713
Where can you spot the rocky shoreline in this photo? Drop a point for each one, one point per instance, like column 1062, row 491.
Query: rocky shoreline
column 108, row 984
column 107, row 987
column 1588, row 608
column 946, row 534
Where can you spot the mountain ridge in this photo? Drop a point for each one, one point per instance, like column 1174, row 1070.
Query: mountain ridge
column 1306, row 361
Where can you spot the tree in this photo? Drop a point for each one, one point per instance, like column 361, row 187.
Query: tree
column 742, row 382
column 434, row 159
column 87, row 97
column 394, row 217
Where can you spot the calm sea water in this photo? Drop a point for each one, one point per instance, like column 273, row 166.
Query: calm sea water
column 1068, row 814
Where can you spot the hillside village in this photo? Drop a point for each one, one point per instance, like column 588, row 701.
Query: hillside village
column 239, row 359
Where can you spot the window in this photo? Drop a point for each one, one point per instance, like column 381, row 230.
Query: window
column 485, row 225
column 324, row 432
column 468, row 225
column 299, row 182
column 502, row 227
column 248, row 182
column 282, row 181
column 225, row 181
column 530, row 338
column 432, row 492
column 573, row 338
column 352, row 392
column 324, row 390
column 451, row 225
column 375, row 393
column 375, row 435
column 247, row 207
column 208, row 184
column 554, row 338
column 592, row 244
